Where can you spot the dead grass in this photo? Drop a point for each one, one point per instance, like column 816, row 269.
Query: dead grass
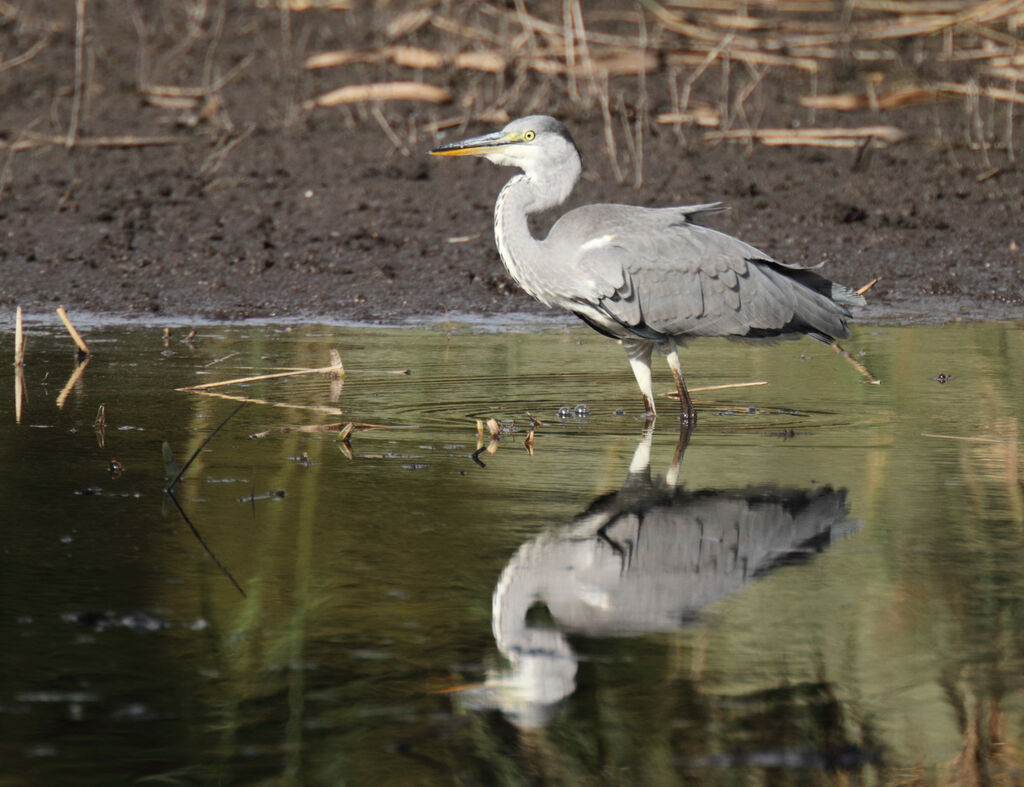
column 522, row 61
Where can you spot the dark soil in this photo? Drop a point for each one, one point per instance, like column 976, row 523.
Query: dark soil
column 267, row 210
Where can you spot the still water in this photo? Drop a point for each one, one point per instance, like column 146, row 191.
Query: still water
column 825, row 586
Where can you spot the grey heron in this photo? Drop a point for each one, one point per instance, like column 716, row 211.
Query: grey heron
column 649, row 277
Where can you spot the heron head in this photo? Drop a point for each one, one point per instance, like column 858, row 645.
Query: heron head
column 536, row 144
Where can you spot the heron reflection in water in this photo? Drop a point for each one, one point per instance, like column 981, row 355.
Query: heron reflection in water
column 649, row 277
column 647, row 558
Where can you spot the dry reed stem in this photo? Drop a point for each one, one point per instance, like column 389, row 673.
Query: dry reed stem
column 997, row 93
column 27, row 55
column 333, row 369
column 722, row 387
column 381, row 91
column 861, row 368
column 820, row 137
column 76, row 101
column 76, row 375
column 968, row 438
column 873, row 100
column 83, row 348
column 314, row 408
column 19, row 340
column 32, row 139
column 868, row 286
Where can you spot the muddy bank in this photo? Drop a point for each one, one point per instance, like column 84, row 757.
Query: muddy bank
column 264, row 209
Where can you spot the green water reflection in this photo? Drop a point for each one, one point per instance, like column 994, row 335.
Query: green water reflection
column 851, row 606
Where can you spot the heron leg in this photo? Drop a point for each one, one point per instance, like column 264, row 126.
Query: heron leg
column 689, row 413
column 639, row 353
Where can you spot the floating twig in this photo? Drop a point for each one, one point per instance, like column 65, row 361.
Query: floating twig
column 83, row 348
column 335, row 368
column 969, row 438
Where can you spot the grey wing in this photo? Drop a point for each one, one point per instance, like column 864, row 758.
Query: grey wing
column 658, row 273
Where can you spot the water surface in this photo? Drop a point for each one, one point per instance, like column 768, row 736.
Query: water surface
column 825, row 584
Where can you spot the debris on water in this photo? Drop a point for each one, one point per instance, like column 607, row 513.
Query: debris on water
column 752, row 410
column 618, row 411
column 303, row 459
column 528, row 443
column 564, row 412
column 101, row 620
column 415, row 466
column 581, row 411
column 942, row 378
column 66, row 539
column 89, row 491
column 273, row 494
column 115, row 468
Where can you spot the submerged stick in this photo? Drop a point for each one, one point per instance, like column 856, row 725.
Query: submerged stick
column 83, row 348
column 19, row 340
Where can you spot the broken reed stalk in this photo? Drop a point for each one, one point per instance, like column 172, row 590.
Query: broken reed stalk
column 83, row 348
column 19, row 340
column 334, row 368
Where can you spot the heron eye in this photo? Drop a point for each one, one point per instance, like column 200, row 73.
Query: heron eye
column 528, row 136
